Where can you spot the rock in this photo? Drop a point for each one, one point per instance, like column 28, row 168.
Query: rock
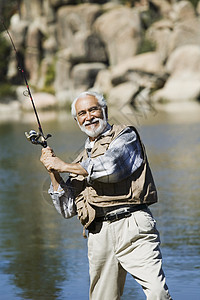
column 103, row 82
column 185, row 32
column 74, row 19
column 49, row 12
column 64, row 97
column 96, row 43
column 18, row 29
column 10, row 111
column 87, row 47
column 32, row 55
column 161, row 33
column 46, row 66
column 164, row 7
column 63, row 79
column 120, row 30
column 198, row 8
column 122, row 94
column 184, row 81
column 50, row 45
column 182, row 10
column 84, row 75
column 31, row 9
column 42, row 101
column 182, row 29
column 144, row 69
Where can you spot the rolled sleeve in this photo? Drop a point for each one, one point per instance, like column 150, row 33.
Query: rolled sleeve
column 63, row 200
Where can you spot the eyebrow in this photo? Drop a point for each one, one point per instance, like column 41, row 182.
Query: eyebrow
column 89, row 109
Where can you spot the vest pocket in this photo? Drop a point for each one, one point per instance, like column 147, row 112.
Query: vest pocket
column 86, row 213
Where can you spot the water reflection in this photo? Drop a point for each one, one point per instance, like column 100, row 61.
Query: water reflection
column 43, row 256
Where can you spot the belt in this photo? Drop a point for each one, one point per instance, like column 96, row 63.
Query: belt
column 124, row 212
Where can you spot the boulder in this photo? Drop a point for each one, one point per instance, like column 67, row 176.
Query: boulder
column 49, row 44
column 63, row 68
column 183, row 83
column 182, row 10
column 103, row 82
column 164, row 7
column 74, row 19
column 65, row 97
column 49, row 12
column 120, row 30
column 18, row 29
column 87, row 47
column 186, row 32
column 10, row 112
column 30, row 9
column 42, row 101
column 84, row 75
column 183, row 28
column 160, row 33
column 145, row 69
column 198, row 8
column 32, row 55
column 122, row 95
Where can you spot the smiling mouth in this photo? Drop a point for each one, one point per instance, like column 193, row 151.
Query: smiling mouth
column 92, row 124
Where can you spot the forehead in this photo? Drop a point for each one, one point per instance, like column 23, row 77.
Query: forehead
column 85, row 103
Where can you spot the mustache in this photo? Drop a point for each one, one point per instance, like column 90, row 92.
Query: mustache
column 90, row 122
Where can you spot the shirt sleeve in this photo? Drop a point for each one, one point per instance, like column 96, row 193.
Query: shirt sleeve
column 123, row 157
column 63, row 199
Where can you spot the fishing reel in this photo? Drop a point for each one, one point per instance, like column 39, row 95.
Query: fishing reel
column 37, row 138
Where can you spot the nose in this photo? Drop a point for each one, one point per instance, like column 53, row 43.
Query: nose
column 89, row 116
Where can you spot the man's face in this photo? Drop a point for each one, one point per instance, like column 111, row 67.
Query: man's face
column 90, row 116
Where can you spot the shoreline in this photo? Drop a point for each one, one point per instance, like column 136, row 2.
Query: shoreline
column 184, row 112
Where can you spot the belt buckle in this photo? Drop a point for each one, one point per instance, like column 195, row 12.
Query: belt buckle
column 112, row 217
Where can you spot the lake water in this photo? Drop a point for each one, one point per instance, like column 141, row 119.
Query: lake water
column 43, row 256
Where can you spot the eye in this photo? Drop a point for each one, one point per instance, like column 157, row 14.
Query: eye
column 94, row 108
column 81, row 113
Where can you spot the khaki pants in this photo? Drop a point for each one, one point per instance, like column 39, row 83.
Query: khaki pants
column 127, row 245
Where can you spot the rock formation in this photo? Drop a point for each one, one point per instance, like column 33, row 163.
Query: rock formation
column 116, row 49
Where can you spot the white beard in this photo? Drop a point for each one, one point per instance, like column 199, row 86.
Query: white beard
column 94, row 132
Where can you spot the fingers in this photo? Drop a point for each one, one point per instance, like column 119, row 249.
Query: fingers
column 48, row 152
column 47, row 162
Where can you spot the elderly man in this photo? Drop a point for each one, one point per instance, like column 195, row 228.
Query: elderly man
column 110, row 188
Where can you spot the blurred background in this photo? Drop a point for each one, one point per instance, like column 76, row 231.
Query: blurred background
column 144, row 56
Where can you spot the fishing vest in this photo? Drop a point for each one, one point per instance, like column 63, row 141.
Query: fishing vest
column 139, row 188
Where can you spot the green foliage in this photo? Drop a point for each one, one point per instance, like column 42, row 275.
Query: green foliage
column 194, row 2
column 6, row 91
column 128, row 2
column 146, row 46
column 132, row 2
column 49, row 79
column 50, row 75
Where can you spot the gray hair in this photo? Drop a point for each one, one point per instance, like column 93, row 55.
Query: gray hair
column 100, row 98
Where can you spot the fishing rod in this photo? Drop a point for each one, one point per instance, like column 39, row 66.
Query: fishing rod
column 37, row 138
